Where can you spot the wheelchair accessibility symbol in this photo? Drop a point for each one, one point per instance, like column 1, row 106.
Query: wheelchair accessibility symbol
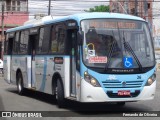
column 128, row 62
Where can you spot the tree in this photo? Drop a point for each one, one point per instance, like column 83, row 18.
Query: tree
column 101, row 8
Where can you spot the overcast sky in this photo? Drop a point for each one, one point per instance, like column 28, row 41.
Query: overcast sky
column 62, row 7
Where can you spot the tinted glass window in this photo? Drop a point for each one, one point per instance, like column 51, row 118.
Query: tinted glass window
column 58, row 39
column 41, row 34
column 44, row 38
column 117, row 44
column 16, row 43
column 54, row 42
column 6, row 45
column 24, row 42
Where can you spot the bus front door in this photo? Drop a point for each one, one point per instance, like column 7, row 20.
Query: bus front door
column 73, row 76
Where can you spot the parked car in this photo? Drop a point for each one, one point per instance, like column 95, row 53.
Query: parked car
column 1, row 66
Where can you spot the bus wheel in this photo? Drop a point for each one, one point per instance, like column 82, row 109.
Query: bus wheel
column 121, row 103
column 20, row 87
column 60, row 94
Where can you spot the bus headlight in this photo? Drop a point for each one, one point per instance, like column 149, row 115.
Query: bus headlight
column 90, row 79
column 151, row 80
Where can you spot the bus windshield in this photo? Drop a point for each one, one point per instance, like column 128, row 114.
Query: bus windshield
column 110, row 43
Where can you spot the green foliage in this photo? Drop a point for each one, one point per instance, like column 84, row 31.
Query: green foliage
column 101, row 8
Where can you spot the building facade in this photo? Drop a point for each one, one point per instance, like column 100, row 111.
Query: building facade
column 15, row 14
column 156, row 24
column 141, row 8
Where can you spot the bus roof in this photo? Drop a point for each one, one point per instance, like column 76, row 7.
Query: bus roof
column 78, row 18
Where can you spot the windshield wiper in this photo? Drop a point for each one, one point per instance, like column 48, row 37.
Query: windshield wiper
column 128, row 47
column 110, row 53
column 109, row 56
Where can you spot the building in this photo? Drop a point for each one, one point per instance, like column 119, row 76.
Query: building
column 156, row 24
column 141, row 8
column 15, row 14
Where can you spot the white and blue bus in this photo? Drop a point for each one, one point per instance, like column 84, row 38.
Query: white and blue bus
column 87, row 57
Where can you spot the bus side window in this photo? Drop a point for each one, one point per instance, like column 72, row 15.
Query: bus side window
column 16, row 43
column 39, row 46
column 6, row 45
column 24, row 42
column 54, row 42
column 61, row 40
column 44, row 37
column 58, row 39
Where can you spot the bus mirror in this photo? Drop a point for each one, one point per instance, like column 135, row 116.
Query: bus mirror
column 79, row 38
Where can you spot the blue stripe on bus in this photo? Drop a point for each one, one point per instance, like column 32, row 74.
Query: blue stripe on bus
column 44, row 75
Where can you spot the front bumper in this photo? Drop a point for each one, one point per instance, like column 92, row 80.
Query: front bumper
column 97, row 94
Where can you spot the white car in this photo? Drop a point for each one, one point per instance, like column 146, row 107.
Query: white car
column 1, row 66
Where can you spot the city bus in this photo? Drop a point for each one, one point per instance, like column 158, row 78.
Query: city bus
column 85, row 57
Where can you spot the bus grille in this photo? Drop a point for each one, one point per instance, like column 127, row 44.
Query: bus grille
column 122, row 84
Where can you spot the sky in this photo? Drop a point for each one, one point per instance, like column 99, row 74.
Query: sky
column 62, row 7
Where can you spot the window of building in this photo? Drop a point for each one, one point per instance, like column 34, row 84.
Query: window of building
column 8, row 6
column 13, row 5
column 148, row 4
column 133, row 11
column 16, row 5
column 23, row 6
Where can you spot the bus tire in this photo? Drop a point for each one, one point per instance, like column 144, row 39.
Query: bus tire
column 20, row 86
column 60, row 94
column 121, row 103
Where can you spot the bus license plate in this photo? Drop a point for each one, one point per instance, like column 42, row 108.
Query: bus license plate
column 124, row 93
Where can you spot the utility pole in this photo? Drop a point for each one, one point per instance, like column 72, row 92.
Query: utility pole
column 136, row 12
column 49, row 7
column 2, row 34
